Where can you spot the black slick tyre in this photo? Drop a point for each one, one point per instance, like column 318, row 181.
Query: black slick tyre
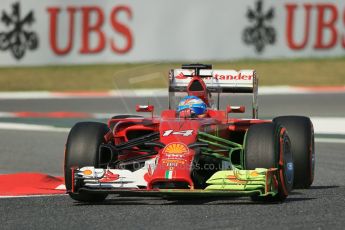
column 268, row 146
column 82, row 149
column 301, row 133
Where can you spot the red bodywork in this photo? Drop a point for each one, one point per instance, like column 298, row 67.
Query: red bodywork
column 175, row 160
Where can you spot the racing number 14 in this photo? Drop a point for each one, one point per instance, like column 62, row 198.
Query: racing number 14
column 184, row 133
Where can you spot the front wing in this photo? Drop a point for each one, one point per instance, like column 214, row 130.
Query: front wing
column 261, row 182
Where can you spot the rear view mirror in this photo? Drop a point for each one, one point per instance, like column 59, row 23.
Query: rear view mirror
column 144, row 108
column 236, row 109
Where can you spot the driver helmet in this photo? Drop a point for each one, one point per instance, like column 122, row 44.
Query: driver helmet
column 193, row 106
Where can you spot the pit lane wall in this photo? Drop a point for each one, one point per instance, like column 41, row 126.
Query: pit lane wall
column 46, row 32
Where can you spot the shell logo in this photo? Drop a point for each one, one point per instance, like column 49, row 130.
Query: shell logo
column 175, row 148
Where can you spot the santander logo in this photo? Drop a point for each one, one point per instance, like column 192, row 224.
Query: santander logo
column 233, row 77
column 221, row 77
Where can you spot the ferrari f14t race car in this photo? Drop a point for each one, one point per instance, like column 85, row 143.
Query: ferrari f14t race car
column 194, row 148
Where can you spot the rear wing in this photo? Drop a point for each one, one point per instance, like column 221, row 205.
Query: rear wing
column 221, row 81
column 224, row 81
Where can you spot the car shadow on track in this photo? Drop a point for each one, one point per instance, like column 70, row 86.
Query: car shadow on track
column 203, row 201
column 295, row 199
column 294, row 192
column 324, row 187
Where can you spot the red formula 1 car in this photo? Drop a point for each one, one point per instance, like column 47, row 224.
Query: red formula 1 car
column 178, row 154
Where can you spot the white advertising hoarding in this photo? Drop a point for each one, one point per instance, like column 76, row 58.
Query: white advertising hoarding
column 51, row 32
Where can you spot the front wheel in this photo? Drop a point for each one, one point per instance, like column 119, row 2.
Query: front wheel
column 82, row 149
column 301, row 133
column 268, row 146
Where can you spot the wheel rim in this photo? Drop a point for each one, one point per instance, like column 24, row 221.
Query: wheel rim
column 286, row 171
column 289, row 167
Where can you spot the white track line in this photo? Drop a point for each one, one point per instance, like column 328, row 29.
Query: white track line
column 61, row 187
column 329, row 125
column 30, row 196
column 160, row 92
column 92, row 115
column 31, row 127
column 278, row 90
column 7, row 115
column 330, row 140
column 67, row 95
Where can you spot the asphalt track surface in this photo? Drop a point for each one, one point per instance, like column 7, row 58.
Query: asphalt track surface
column 320, row 207
column 269, row 105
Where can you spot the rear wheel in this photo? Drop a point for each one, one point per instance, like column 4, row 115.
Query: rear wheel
column 268, row 146
column 301, row 133
column 82, row 149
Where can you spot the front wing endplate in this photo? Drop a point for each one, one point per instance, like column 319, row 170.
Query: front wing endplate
column 260, row 180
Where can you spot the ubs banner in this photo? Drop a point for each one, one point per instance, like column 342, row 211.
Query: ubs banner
column 45, row 32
